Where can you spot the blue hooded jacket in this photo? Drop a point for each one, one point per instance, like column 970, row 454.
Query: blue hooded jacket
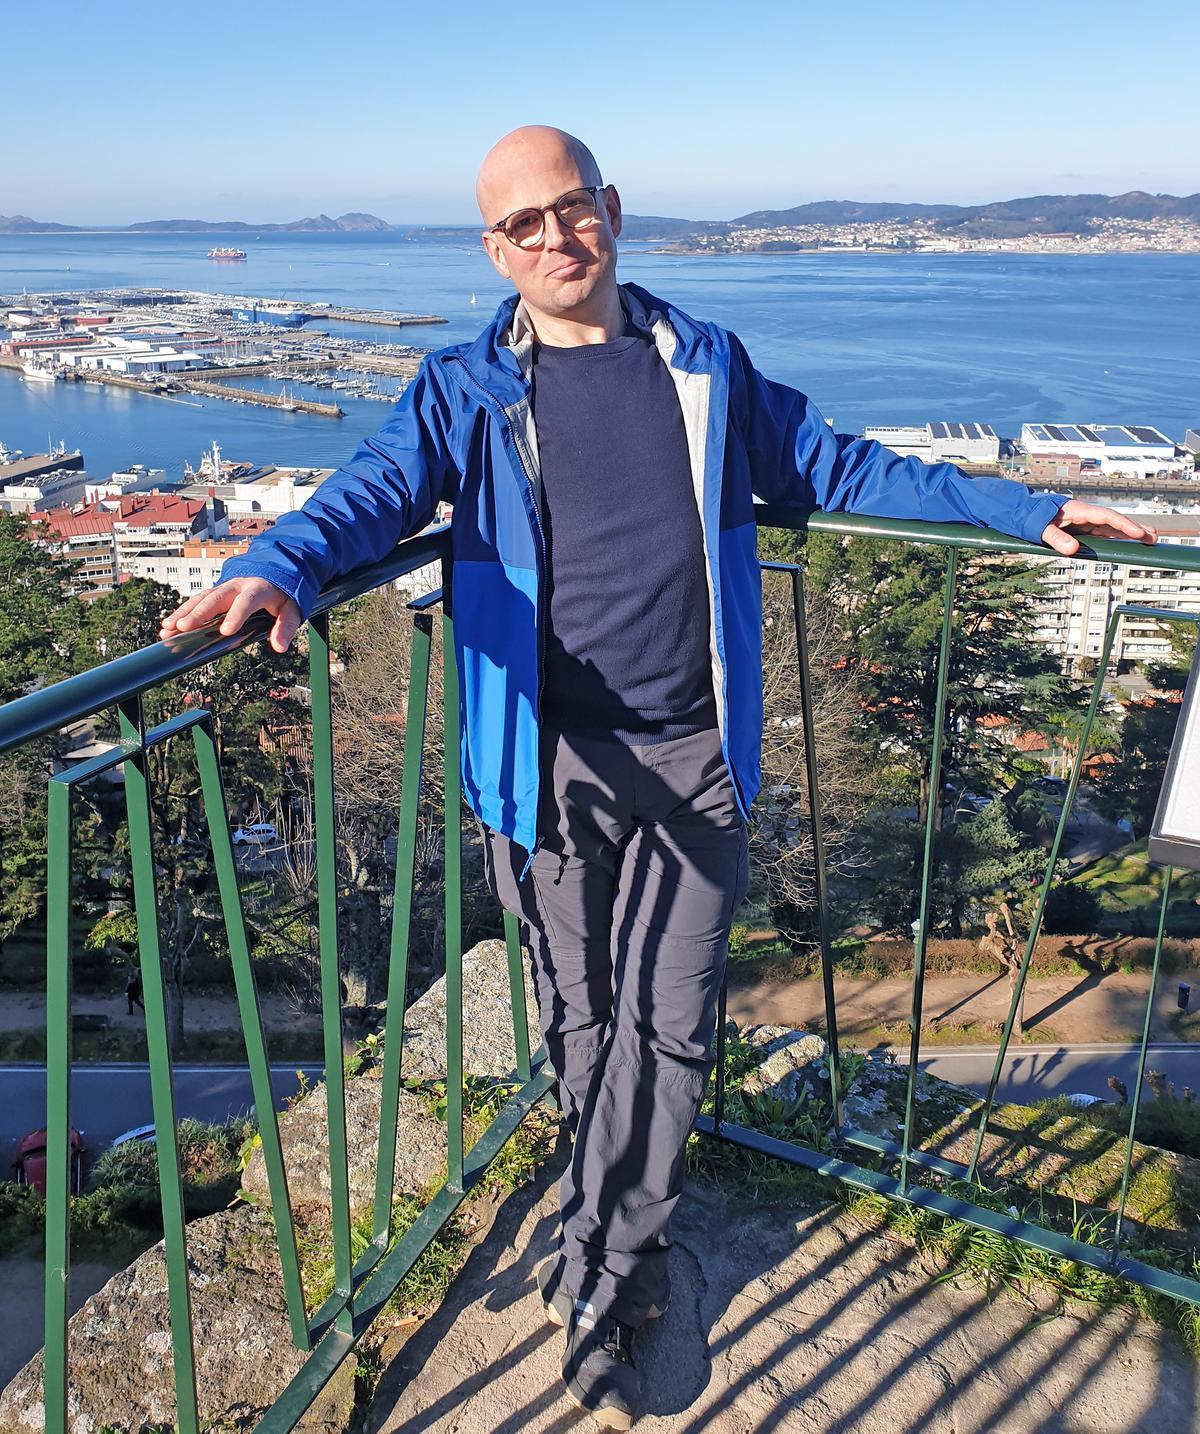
column 463, row 432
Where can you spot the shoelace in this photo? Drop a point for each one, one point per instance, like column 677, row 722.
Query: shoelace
column 617, row 1340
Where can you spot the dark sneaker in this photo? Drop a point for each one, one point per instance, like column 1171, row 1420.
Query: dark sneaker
column 559, row 1302
column 598, row 1367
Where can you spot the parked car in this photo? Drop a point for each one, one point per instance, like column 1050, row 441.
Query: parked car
column 256, row 834
column 139, row 1132
column 30, row 1163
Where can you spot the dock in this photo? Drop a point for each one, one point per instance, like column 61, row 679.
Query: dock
column 258, row 397
column 378, row 316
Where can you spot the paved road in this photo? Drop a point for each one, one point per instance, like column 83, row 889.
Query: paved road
column 107, row 1099
column 1036, row 1072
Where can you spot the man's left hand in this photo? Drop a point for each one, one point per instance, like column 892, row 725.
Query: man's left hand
column 1091, row 518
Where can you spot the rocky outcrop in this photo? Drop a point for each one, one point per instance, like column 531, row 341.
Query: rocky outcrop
column 488, row 1047
column 304, row 1135
column 121, row 1366
column 793, row 1063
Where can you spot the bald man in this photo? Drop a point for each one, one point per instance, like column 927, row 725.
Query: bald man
column 603, row 451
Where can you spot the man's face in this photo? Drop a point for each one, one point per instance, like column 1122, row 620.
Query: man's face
column 562, row 272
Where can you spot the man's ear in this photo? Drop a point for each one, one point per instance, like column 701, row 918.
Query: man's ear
column 495, row 252
column 612, row 204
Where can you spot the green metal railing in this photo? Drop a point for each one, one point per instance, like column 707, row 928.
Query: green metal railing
column 360, row 1289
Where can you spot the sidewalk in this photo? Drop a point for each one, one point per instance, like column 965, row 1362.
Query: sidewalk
column 1076, row 1009
column 782, row 1320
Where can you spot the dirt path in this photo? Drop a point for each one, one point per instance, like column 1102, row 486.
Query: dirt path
column 1076, row 1009
column 203, row 1011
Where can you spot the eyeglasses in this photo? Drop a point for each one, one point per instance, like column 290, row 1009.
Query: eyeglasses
column 575, row 210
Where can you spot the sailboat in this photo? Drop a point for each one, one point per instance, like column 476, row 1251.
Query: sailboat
column 472, row 300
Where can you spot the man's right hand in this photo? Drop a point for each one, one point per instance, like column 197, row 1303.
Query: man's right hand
column 238, row 599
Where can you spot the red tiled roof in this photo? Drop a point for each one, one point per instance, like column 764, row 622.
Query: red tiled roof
column 131, row 510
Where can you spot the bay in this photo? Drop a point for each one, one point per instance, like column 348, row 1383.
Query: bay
column 872, row 338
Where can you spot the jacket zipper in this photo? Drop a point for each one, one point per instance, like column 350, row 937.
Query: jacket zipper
column 535, row 524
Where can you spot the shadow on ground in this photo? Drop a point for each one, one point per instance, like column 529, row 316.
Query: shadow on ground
column 786, row 1320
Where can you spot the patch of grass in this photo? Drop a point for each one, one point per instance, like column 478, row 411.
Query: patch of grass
column 943, row 1033
column 981, row 1257
column 1168, row 1121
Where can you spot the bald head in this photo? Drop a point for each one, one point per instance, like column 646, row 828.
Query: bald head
column 519, row 166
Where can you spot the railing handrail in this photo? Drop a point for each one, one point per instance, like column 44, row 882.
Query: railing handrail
column 1169, row 556
column 74, row 698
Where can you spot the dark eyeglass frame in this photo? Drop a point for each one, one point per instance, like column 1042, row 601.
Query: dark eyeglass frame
column 541, row 212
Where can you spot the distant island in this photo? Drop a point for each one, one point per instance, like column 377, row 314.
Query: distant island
column 1067, row 222
column 320, row 224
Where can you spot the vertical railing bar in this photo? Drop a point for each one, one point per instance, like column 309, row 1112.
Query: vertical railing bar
column 1035, row 927
column 325, row 819
column 1141, row 1069
column 818, row 838
column 58, row 1102
column 452, row 828
column 517, row 995
column 162, row 1097
column 921, row 936
column 719, row 1089
column 216, row 816
column 402, row 900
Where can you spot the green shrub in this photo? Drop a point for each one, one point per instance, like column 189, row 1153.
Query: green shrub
column 1071, row 908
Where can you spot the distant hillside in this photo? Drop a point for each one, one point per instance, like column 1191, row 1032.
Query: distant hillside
column 1040, row 213
column 1036, row 214
column 22, row 224
column 321, row 224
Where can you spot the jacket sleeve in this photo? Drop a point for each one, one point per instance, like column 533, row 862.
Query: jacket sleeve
column 797, row 459
column 388, row 490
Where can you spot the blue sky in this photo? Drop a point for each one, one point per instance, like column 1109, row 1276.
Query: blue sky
column 135, row 109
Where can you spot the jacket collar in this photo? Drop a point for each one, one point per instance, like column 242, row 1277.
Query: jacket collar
column 501, row 358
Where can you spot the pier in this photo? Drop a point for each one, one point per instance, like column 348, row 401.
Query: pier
column 377, row 316
column 259, row 398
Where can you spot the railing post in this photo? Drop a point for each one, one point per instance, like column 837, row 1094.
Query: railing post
column 818, row 836
column 325, row 819
column 216, row 815
column 58, row 1102
column 452, row 827
column 141, row 849
column 921, row 936
column 1136, row 1099
column 406, row 860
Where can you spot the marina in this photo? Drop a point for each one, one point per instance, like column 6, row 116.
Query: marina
column 166, row 344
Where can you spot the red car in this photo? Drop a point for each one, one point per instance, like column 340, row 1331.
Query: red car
column 30, row 1163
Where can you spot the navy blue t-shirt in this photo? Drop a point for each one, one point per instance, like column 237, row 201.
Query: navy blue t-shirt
column 627, row 640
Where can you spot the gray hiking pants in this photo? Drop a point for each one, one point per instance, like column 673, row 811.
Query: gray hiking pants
column 628, row 905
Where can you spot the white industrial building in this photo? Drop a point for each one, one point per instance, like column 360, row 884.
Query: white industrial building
column 940, row 442
column 137, row 478
column 1106, row 447
column 1077, row 598
column 267, row 493
column 120, row 353
column 48, row 490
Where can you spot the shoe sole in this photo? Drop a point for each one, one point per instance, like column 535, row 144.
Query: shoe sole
column 610, row 1418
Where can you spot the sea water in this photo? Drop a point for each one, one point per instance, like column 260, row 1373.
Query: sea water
column 1003, row 339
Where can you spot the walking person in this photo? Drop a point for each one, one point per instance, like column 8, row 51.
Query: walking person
column 602, row 451
column 133, row 989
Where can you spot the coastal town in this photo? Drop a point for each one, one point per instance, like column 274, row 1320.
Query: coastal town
column 1173, row 235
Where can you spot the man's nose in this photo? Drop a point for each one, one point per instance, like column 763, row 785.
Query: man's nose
column 558, row 235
